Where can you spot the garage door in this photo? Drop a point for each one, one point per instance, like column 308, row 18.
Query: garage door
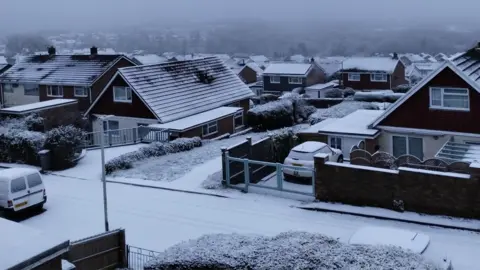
column 343, row 143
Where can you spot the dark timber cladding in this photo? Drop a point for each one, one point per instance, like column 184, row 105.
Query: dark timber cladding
column 415, row 112
column 176, row 90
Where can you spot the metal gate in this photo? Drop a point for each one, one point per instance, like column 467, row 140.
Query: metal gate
column 242, row 173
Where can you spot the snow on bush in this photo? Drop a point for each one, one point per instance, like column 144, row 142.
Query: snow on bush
column 334, row 93
column 31, row 122
column 155, row 149
column 377, row 96
column 290, row 250
column 63, row 142
column 341, row 110
column 21, row 146
column 213, row 181
column 347, row 92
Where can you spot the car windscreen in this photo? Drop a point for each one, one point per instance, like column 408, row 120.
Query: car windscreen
column 300, row 155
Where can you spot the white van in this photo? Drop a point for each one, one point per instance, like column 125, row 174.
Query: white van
column 21, row 188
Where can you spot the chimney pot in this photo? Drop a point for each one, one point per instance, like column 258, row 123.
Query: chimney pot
column 93, row 50
column 395, row 56
column 52, row 50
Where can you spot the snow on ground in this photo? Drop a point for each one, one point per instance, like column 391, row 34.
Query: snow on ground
column 156, row 219
column 291, row 250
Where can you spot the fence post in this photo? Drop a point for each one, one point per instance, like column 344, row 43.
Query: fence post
column 250, row 156
column 123, row 249
column 246, row 173
column 227, row 166
column 279, row 176
column 313, row 179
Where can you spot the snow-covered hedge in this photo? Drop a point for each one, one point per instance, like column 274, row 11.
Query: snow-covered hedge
column 334, row 93
column 290, row 250
column 21, row 146
column 155, row 149
column 63, row 142
column 281, row 113
column 283, row 141
column 347, row 92
column 378, row 96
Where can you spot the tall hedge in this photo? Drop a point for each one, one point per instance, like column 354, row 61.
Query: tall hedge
column 64, row 143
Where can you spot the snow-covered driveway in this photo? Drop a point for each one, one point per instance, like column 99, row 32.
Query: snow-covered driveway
column 156, row 219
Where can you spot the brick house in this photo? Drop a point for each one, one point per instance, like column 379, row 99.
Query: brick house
column 201, row 97
column 372, row 73
column 284, row 77
column 45, row 77
column 438, row 117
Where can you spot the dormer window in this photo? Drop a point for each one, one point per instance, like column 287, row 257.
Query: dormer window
column 446, row 98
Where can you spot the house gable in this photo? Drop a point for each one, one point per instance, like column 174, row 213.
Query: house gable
column 105, row 105
column 413, row 110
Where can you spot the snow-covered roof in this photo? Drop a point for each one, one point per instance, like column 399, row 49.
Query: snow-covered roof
column 13, row 173
column 455, row 151
column 297, row 58
column 37, row 106
column 198, row 119
column 309, row 147
column 175, row 90
column 427, row 66
column 149, row 59
column 3, row 66
column 321, row 86
column 3, row 60
column 469, row 64
column 259, row 59
column 255, row 67
column 287, row 69
column 20, row 243
column 355, row 123
column 60, row 69
column 371, row 64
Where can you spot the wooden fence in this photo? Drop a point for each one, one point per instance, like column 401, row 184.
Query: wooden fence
column 102, row 251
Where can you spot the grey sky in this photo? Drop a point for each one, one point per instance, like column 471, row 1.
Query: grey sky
column 31, row 15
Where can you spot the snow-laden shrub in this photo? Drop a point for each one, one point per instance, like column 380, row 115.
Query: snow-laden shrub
column 272, row 115
column 290, row 250
column 213, row 181
column 31, row 122
column 347, row 92
column 378, row 96
column 64, row 143
column 155, row 149
column 21, row 146
column 34, row 122
column 334, row 93
column 402, row 88
column 283, row 141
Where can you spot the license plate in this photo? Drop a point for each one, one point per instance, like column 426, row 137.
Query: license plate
column 20, row 204
column 296, row 164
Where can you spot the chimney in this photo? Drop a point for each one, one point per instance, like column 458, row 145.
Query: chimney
column 312, row 60
column 395, row 56
column 52, row 51
column 93, row 51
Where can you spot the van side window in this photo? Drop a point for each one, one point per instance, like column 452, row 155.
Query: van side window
column 18, row 185
column 34, row 180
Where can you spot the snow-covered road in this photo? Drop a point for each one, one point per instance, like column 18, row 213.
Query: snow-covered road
column 156, row 219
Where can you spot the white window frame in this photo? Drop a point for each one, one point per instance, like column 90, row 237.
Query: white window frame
column 351, row 77
column 336, row 139
column 383, row 79
column 408, row 144
column 84, row 89
column 209, row 125
column 50, row 91
column 127, row 90
column 442, row 98
column 10, row 88
column 35, row 88
column 295, row 80
column 273, row 79
column 238, row 114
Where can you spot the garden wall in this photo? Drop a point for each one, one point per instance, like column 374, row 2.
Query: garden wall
column 431, row 192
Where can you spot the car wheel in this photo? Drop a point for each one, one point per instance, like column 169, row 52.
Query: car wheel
column 340, row 159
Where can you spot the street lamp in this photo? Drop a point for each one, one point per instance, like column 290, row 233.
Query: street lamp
column 104, row 181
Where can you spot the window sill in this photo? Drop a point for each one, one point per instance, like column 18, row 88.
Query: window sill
column 449, row 109
column 379, row 81
column 205, row 135
column 295, row 83
column 55, row 96
column 353, row 80
column 122, row 101
column 239, row 127
column 275, row 82
column 80, row 96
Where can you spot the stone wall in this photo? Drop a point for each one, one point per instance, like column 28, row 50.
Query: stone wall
column 437, row 193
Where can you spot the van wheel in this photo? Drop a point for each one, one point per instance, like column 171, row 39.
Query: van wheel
column 340, row 159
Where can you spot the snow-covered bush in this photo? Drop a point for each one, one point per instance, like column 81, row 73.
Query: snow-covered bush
column 283, row 141
column 21, row 146
column 34, row 122
column 155, row 149
column 272, row 115
column 347, row 92
column 63, row 143
column 213, row 181
column 290, row 250
column 378, row 96
column 402, row 88
column 334, row 93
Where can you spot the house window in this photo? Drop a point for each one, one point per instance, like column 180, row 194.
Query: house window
column 210, row 128
column 274, row 79
column 80, row 91
column 111, row 127
column 336, row 142
column 238, row 119
column 354, row 77
column 7, row 88
column 122, row 94
column 404, row 145
column 55, row 91
column 30, row 89
column 295, row 80
column 449, row 98
column 378, row 77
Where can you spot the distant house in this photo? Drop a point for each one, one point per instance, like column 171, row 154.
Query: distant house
column 441, row 57
column 248, row 72
column 438, row 117
column 261, row 60
column 45, row 77
column 297, row 58
column 331, row 66
column 372, row 73
column 201, row 97
column 280, row 77
column 149, row 59
column 319, row 90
